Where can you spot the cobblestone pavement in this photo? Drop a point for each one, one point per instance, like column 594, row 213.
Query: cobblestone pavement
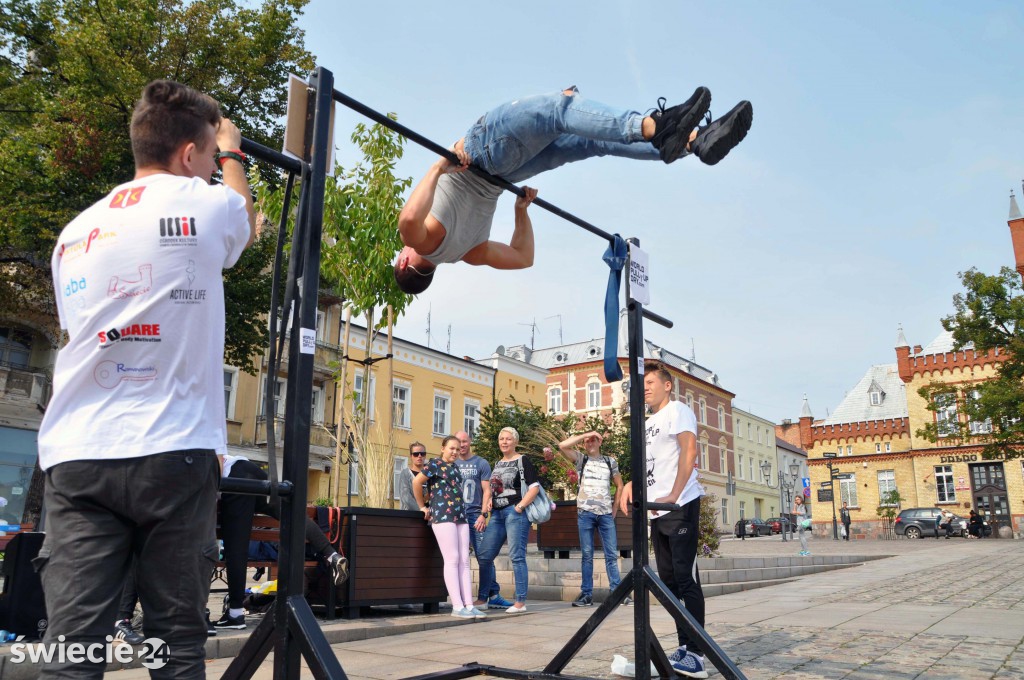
column 934, row 610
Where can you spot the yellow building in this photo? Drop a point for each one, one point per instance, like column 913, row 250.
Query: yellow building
column 755, row 445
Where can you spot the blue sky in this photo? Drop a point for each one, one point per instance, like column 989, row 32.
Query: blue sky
column 886, row 139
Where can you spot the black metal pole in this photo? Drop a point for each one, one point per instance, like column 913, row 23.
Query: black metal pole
column 835, row 527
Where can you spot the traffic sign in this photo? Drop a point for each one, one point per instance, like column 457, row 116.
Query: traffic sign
column 826, row 485
column 807, row 482
column 807, row 492
column 844, row 475
column 829, row 454
column 824, row 495
column 835, row 474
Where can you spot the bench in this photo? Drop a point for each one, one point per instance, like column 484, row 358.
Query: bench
column 561, row 533
column 266, row 528
column 4, row 540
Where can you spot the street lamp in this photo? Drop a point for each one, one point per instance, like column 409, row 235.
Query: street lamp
column 785, row 486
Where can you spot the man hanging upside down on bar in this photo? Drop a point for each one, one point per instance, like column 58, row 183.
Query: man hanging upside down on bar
column 448, row 215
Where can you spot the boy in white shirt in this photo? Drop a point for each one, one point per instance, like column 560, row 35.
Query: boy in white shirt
column 671, row 435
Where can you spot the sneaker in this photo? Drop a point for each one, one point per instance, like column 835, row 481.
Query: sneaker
column 232, row 622
column 124, row 632
column 515, row 610
column 464, row 613
column 687, row 664
column 339, row 569
column 583, row 601
column 498, row 602
column 628, row 602
column 672, row 126
column 718, row 137
column 477, row 613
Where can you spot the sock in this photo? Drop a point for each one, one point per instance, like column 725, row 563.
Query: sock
column 234, row 613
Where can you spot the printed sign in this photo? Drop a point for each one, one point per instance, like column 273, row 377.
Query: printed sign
column 639, row 276
column 307, row 341
column 824, row 495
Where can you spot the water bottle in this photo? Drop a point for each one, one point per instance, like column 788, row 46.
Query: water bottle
column 6, row 636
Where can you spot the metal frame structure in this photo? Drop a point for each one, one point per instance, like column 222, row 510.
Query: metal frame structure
column 291, row 630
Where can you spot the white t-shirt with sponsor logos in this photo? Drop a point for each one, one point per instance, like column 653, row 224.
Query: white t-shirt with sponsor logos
column 662, row 431
column 139, row 287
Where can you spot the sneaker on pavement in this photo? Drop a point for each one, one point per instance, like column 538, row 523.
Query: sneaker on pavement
column 124, row 632
column 477, row 613
column 227, row 621
column 464, row 613
column 672, row 126
column 686, row 664
column 339, row 569
column 498, row 602
column 583, row 601
column 628, row 602
column 719, row 136
column 515, row 610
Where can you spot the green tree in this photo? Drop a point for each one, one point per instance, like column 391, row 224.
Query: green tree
column 709, row 540
column 989, row 316
column 70, row 73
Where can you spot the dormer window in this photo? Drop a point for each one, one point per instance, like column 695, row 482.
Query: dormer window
column 560, row 357
column 875, row 394
column 593, row 350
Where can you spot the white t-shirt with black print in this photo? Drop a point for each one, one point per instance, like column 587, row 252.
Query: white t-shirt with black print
column 663, row 451
column 596, row 476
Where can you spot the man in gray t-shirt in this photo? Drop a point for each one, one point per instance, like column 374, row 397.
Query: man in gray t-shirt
column 417, row 457
column 448, row 215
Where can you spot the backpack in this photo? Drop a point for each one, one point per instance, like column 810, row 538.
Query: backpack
column 607, row 461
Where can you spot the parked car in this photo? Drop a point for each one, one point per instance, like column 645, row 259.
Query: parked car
column 755, row 527
column 776, row 524
column 920, row 522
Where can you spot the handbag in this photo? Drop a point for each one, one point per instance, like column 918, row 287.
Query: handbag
column 539, row 509
column 805, row 523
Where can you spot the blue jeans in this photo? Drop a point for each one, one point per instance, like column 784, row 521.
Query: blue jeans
column 505, row 523
column 588, row 522
column 476, row 539
column 527, row 136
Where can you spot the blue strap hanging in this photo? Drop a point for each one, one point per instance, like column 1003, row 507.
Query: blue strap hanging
column 615, row 257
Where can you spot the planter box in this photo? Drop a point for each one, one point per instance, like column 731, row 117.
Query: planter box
column 393, row 559
column 560, row 534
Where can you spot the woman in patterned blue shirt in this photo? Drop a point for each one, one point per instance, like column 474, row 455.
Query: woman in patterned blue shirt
column 446, row 512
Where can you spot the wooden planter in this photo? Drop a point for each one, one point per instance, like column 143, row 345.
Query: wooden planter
column 561, row 533
column 393, row 559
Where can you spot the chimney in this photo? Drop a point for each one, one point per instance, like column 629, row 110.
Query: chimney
column 806, row 419
column 1016, row 224
column 903, row 356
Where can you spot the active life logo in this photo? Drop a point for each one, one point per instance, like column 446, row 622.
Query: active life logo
column 190, row 295
column 178, row 231
column 153, row 652
column 126, row 198
column 110, row 374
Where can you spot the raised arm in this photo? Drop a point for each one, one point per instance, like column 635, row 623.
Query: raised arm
column 230, row 138
column 412, row 220
column 517, row 253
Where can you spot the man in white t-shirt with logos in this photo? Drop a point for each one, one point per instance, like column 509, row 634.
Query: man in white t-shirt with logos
column 130, row 439
column 671, row 435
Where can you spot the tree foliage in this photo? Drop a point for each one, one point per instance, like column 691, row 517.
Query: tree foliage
column 989, row 316
column 709, row 541
column 70, row 73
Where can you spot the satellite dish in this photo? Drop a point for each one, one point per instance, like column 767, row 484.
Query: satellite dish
column 500, row 351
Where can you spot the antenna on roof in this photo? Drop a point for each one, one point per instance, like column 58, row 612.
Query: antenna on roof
column 533, row 330
column 429, row 309
column 559, row 316
column 693, row 351
column 448, row 347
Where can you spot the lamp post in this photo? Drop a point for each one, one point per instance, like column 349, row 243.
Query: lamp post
column 785, row 486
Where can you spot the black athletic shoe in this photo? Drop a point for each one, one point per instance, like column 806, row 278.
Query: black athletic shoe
column 583, row 601
column 718, row 137
column 229, row 621
column 672, row 126
column 124, row 632
column 339, row 569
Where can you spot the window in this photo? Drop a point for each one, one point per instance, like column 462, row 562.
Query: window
column 280, row 390
column 594, row 395
column 886, row 485
column 402, row 399
column 750, row 436
column 704, row 454
column 721, row 419
column 398, row 465
column 848, row 491
column 739, row 466
column 743, row 509
column 15, row 347
column 849, row 450
column 944, row 489
column 888, row 447
column 230, row 388
column 471, row 417
column 945, row 414
column 878, row 447
column 317, row 405
column 441, row 404
column 359, row 398
column 750, row 469
column 979, row 426
column 353, row 477
column 321, row 326
column 725, row 511
column 702, row 412
column 876, row 398
column 555, row 400
column 689, row 400
column 723, row 458
column 759, row 434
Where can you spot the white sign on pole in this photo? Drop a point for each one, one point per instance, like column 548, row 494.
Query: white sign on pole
column 639, row 276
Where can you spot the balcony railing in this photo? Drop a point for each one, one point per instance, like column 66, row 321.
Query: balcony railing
column 26, row 385
column 318, row 436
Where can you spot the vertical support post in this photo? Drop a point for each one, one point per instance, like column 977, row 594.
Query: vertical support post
column 638, row 475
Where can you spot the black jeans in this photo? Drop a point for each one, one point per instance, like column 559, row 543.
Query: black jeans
column 157, row 510
column 675, row 537
column 236, row 513
column 129, row 596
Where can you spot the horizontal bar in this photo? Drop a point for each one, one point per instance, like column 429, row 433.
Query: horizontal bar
column 359, row 107
column 657, row 318
column 663, row 506
column 265, row 153
column 253, row 487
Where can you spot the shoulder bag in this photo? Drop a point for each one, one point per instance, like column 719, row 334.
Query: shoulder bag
column 539, row 509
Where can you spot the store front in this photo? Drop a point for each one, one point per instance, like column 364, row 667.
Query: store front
column 18, row 454
column 990, row 497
